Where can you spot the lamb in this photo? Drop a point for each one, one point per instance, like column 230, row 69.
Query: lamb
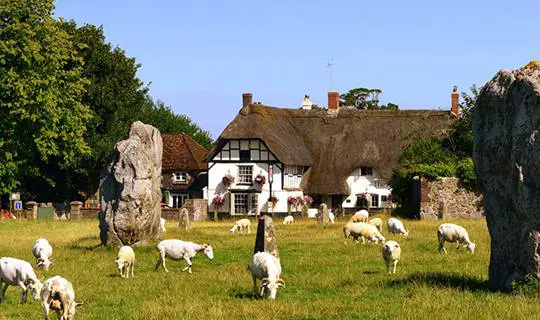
column 360, row 216
column 453, row 233
column 288, row 220
column 267, row 268
column 331, row 216
column 57, row 294
column 42, row 251
column 18, row 272
column 178, row 249
column 125, row 260
column 240, row 225
column 363, row 230
column 162, row 225
column 391, row 252
column 377, row 222
column 396, row 226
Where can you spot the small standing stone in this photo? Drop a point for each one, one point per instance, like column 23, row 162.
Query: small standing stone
column 265, row 240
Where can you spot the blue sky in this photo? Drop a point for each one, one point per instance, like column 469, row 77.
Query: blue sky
column 199, row 56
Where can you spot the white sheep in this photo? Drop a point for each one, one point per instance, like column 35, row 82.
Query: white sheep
column 162, row 225
column 57, row 294
column 178, row 249
column 125, row 260
column 288, row 220
column 331, row 216
column 18, row 272
column 377, row 222
column 391, row 252
column 363, row 230
column 267, row 268
column 240, row 225
column 360, row 216
column 42, row 251
column 453, row 233
column 396, row 226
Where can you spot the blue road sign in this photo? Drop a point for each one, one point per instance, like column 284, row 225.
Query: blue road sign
column 18, row 205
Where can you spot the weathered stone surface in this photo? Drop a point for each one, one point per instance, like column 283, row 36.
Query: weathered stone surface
column 265, row 240
column 130, row 189
column 507, row 159
column 322, row 214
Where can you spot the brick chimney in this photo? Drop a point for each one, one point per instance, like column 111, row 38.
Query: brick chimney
column 455, row 102
column 247, row 99
column 333, row 101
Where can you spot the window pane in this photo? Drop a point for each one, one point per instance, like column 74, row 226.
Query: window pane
column 254, row 155
column 245, row 174
column 235, row 155
column 240, row 203
column 245, row 155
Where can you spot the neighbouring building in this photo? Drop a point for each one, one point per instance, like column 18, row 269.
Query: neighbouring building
column 184, row 172
column 337, row 156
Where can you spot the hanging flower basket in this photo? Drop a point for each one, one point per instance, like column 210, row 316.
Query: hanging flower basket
column 292, row 201
column 227, row 179
column 260, row 179
column 308, row 200
column 274, row 200
column 218, row 201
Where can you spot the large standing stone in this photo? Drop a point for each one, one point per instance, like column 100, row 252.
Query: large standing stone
column 506, row 124
column 130, row 189
column 265, row 239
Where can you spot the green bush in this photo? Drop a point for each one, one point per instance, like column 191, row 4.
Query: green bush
column 465, row 173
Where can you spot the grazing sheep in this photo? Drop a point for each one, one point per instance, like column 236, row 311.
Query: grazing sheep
column 42, row 251
column 360, row 216
column 240, row 225
column 125, row 260
column 377, row 222
column 363, row 230
column 267, row 268
column 162, row 225
column 17, row 272
column 453, row 233
column 57, row 294
column 178, row 249
column 331, row 216
column 288, row 220
column 396, row 226
column 391, row 253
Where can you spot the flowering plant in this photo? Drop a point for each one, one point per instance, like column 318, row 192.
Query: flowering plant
column 217, row 201
column 260, row 179
column 300, row 201
column 308, row 200
column 292, row 200
column 227, row 179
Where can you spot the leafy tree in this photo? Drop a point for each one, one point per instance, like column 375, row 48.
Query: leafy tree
column 460, row 140
column 364, row 98
column 42, row 116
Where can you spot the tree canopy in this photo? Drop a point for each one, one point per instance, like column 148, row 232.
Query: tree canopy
column 364, row 98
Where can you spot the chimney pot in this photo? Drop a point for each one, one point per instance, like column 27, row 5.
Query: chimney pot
column 247, row 99
column 455, row 102
column 333, row 101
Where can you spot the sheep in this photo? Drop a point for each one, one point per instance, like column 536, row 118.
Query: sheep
column 377, row 222
column 288, row 220
column 267, row 268
column 396, row 226
column 178, row 249
column 18, row 272
column 363, row 230
column 162, row 225
column 240, row 225
column 42, row 251
column 57, row 294
column 125, row 260
column 331, row 216
column 360, row 216
column 453, row 233
column 391, row 253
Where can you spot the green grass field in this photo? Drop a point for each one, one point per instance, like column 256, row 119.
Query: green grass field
column 325, row 278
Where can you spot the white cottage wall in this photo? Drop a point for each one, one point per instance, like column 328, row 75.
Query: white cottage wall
column 371, row 184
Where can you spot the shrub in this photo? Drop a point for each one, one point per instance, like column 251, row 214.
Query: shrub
column 465, row 173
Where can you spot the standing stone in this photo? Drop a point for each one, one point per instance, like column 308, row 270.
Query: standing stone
column 183, row 218
column 265, row 240
column 322, row 215
column 75, row 210
column 506, row 125
column 130, row 189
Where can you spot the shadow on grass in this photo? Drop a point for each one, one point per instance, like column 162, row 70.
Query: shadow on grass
column 238, row 294
column 438, row 279
column 88, row 243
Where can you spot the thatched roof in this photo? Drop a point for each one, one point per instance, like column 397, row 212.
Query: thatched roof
column 182, row 153
column 334, row 145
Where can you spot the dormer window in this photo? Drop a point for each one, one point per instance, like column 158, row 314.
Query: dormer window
column 180, row 177
column 366, row 171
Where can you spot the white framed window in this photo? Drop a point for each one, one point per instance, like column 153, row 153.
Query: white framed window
column 292, row 176
column 178, row 199
column 374, row 200
column 180, row 177
column 245, row 174
column 244, row 203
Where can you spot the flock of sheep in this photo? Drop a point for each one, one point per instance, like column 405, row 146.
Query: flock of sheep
column 57, row 293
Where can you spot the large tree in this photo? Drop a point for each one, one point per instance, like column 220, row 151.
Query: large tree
column 42, row 116
column 364, row 98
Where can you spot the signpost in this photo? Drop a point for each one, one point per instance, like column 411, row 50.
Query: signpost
column 15, row 197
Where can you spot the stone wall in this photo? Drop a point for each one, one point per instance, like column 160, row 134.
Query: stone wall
column 197, row 208
column 445, row 199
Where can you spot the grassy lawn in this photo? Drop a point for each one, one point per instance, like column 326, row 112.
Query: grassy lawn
column 325, row 278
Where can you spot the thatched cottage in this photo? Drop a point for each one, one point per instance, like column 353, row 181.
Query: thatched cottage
column 336, row 156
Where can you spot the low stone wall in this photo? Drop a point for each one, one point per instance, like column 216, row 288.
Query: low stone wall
column 445, row 199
